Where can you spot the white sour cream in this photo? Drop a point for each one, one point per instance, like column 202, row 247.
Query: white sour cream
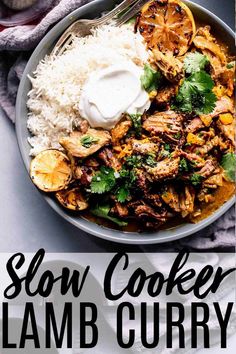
column 112, row 91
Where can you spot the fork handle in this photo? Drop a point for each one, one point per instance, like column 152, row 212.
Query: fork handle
column 116, row 11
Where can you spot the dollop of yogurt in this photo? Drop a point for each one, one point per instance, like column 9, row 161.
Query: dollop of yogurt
column 112, row 91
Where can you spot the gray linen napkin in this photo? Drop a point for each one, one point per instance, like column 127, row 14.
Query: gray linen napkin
column 16, row 45
column 218, row 237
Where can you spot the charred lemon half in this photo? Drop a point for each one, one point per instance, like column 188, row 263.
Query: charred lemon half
column 167, row 25
column 51, row 171
column 72, row 199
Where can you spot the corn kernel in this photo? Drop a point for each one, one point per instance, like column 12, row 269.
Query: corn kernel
column 226, row 118
column 152, row 94
column 219, row 91
column 206, row 120
column 194, row 139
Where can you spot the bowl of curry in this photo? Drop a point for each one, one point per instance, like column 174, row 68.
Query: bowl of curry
column 164, row 173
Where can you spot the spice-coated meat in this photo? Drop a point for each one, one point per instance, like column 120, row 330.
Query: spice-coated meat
column 170, row 66
column 187, row 198
column 228, row 131
column 75, row 146
column 214, row 181
column 211, row 144
column 193, row 158
column 147, row 212
column 120, row 210
column 108, row 158
column 165, row 94
column 165, row 169
column 194, row 125
column 120, row 130
column 223, row 105
column 142, row 181
column 165, row 123
column 144, row 147
column 208, row 169
column 153, row 199
column 171, row 198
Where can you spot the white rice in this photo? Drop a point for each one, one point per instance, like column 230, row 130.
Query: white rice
column 57, row 84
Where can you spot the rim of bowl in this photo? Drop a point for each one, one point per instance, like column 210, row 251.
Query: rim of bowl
column 134, row 238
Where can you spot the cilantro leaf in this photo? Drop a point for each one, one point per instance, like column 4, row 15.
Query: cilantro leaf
column 103, row 210
column 87, row 141
column 228, row 163
column 183, row 165
column 166, row 151
column 126, row 183
column 103, row 181
column 230, row 65
column 122, row 194
column 178, row 135
column 150, row 161
column 195, row 62
column 196, row 179
column 137, row 123
column 201, row 81
column 208, row 101
column 131, row 21
column 167, row 147
column 195, row 94
column 150, row 79
column 134, row 161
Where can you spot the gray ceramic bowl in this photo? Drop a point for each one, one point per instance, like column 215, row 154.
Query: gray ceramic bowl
column 90, row 11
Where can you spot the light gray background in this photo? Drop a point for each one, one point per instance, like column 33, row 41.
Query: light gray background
column 27, row 223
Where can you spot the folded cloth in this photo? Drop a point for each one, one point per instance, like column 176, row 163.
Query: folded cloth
column 26, row 37
column 219, row 236
column 16, row 45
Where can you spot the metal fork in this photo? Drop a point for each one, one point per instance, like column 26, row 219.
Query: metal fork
column 131, row 12
column 83, row 27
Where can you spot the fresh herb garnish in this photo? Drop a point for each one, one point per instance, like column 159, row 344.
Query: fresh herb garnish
column 195, row 94
column 183, row 165
column 134, row 161
column 125, row 183
column 195, row 62
column 150, row 161
column 127, row 174
column 177, row 136
column 150, row 79
column 131, row 21
column 137, row 124
column 87, row 141
column 166, row 151
column 196, row 179
column 228, row 163
column 122, row 194
column 230, row 65
column 167, row 147
column 137, row 161
column 103, row 210
column 104, row 181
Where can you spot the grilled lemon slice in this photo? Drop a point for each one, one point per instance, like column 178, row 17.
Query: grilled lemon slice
column 167, row 25
column 72, row 199
column 50, row 171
